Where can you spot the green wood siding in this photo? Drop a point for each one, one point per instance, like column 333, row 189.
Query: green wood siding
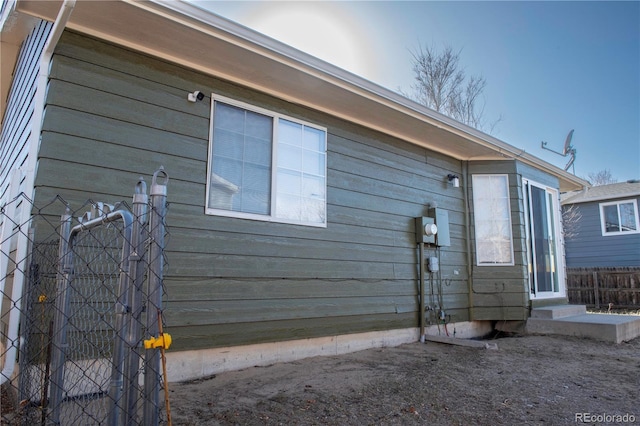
column 531, row 173
column 113, row 115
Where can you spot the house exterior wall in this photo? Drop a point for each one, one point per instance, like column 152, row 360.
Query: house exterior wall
column 113, row 115
column 17, row 121
column 501, row 291
column 588, row 248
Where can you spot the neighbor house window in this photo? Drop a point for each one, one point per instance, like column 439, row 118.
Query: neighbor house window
column 492, row 220
column 619, row 217
column 265, row 166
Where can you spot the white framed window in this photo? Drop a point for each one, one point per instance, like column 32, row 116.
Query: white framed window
column 619, row 217
column 492, row 220
column 265, row 166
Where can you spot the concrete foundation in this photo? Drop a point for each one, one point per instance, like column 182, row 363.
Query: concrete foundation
column 189, row 365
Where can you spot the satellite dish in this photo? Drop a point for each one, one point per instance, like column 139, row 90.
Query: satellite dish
column 568, row 149
column 567, row 143
column 570, row 163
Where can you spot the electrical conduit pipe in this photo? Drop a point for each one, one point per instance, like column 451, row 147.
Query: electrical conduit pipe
column 467, row 225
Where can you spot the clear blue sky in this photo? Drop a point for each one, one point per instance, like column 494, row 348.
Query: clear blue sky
column 550, row 66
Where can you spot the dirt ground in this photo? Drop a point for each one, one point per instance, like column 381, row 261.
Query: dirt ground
column 527, row 380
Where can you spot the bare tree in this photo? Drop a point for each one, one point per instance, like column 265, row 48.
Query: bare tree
column 442, row 85
column 571, row 221
column 603, row 177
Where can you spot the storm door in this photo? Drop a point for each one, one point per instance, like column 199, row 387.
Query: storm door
column 543, row 228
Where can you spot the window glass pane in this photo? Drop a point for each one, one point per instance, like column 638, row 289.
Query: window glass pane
column 611, row 218
column 627, row 217
column 483, row 215
column 499, row 210
column 541, row 241
column 313, row 187
column 313, row 162
column 228, row 144
column 498, row 187
column 290, row 157
column 254, row 202
column 492, row 249
column 256, row 177
column 229, row 117
column 301, row 181
column 227, row 169
column 221, row 193
column 259, row 126
column 290, row 133
column 289, row 182
column 492, row 219
column 313, row 139
column 313, row 211
column 288, row 207
column 258, row 151
column 241, row 160
column 481, row 191
column 552, row 244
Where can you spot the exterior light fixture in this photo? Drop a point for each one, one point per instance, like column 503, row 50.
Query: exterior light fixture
column 454, row 180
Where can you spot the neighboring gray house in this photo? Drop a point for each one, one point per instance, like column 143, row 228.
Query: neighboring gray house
column 605, row 231
column 295, row 185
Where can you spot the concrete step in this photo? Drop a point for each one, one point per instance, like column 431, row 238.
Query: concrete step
column 606, row 327
column 558, row 311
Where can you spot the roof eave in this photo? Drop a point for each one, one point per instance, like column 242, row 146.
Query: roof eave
column 576, row 200
column 150, row 27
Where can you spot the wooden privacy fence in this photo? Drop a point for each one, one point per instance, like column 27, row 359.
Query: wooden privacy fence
column 598, row 287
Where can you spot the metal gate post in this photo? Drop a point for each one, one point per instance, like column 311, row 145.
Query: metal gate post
column 59, row 340
column 157, row 214
column 117, row 405
column 134, row 333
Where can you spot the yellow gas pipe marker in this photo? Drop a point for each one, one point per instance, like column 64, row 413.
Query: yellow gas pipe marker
column 163, row 341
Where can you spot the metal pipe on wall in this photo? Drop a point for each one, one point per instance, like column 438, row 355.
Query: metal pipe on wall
column 467, row 223
column 421, row 289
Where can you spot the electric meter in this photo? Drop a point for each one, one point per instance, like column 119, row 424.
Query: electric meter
column 430, row 229
column 426, row 230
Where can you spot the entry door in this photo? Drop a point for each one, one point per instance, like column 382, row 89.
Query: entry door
column 546, row 277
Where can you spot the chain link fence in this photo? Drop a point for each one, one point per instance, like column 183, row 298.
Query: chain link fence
column 81, row 338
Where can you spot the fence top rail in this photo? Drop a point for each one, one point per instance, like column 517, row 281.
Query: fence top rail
column 608, row 270
column 126, row 216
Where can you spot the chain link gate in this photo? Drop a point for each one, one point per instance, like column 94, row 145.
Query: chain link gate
column 90, row 300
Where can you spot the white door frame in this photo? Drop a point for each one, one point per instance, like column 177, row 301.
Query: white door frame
column 556, row 261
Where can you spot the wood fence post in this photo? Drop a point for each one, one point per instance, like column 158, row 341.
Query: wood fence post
column 596, row 293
